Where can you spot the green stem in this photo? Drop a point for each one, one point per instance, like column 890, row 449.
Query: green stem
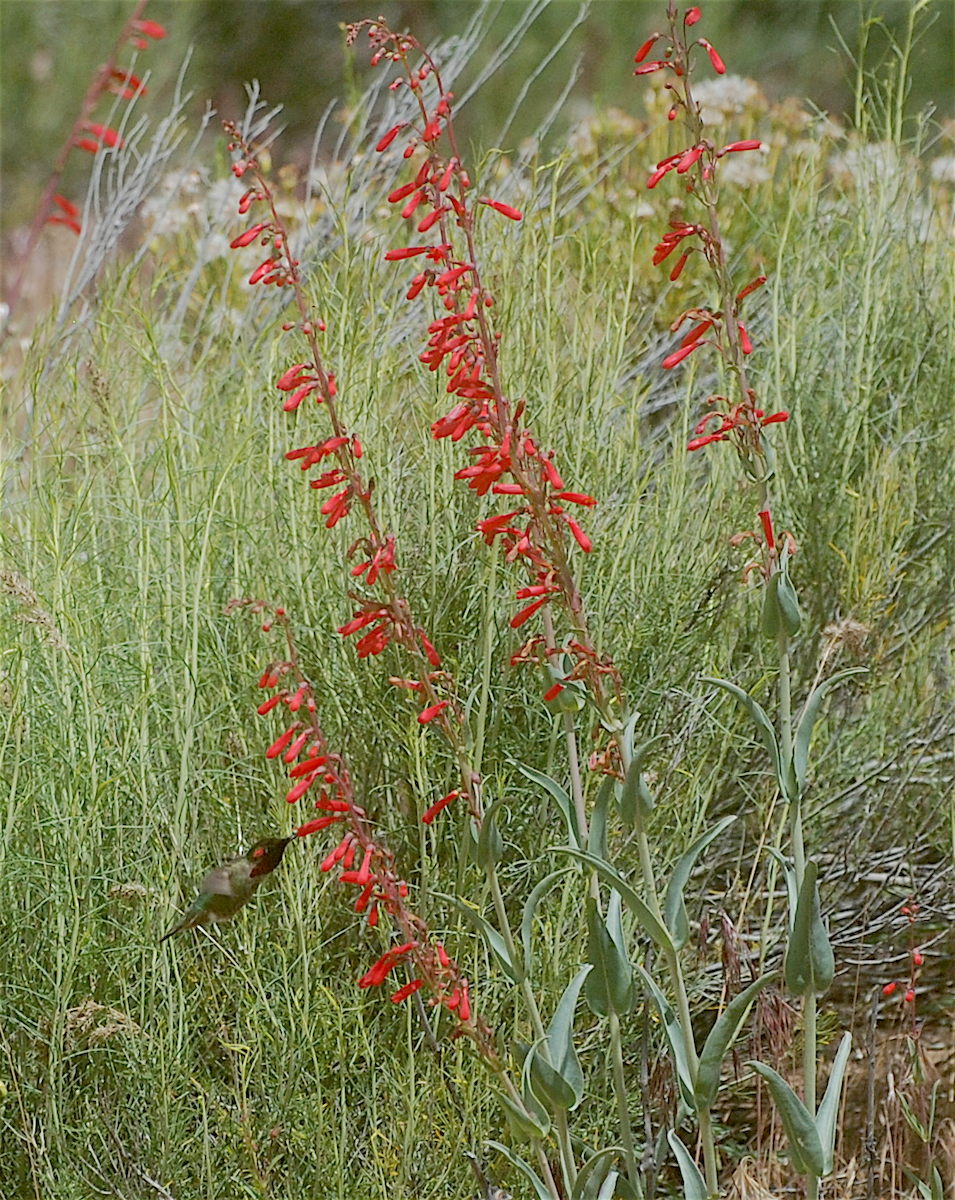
column 568, row 1165
column 623, row 1112
column 709, row 1153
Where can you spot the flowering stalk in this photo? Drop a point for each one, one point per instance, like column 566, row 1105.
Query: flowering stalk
column 381, row 620
column 360, row 857
column 464, row 344
column 809, row 963
column 86, row 135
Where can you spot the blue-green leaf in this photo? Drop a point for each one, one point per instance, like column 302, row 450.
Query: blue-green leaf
column 810, row 963
column 564, row 802
column 638, row 906
column 694, row 1185
column 549, row 1083
column 530, row 908
column 805, row 1149
column 674, row 1032
column 594, row 1172
column 635, row 798
column 807, row 722
column 789, row 874
column 766, row 732
column 610, row 984
column 523, row 1122
column 495, row 942
column 560, row 1036
column 722, row 1036
column 828, row 1112
column 597, row 842
column 527, row 1171
column 674, row 910
column 490, row 845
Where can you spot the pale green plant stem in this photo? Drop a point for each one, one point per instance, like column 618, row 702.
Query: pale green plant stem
column 623, row 1112
column 682, row 1004
column 487, row 626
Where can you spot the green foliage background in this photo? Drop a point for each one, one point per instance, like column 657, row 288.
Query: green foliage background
column 144, row 485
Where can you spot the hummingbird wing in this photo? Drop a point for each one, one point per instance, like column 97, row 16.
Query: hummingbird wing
column 218, row 882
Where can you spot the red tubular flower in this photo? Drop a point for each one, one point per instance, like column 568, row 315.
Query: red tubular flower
column 280, row 743
column 406, row 991
column 428, row 714
column 688, row 159
column 767, row 523
column 744, row 343
column 553, row 692
column 129, row 84
column 526, row 613
column 582, row 540
column 751, row 287
column 649, row 68
column 407, row 252
column 439, row 805
column 667, row 164
column 890, row 988
column 430, row 652
column 692, row 16
column 576, row 498
column 678, row 268
column 718, row 65
column 109, row 137
column 315, row 825
column 150, row 29
column 504, row 209
column 245, row 239
column 645, row 49
column 775, row 419
column 674, row 359
column 752, row 144
column 389, row 138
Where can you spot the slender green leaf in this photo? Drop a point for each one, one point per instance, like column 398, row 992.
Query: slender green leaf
column 560, row 1036
column 766, row 732
column 593, row 1173
column 694, row 1185
column 597, row 843
column 789, row 874
column 805, row 1148
column 674, row 910
column 564, row 802
column 787, row 602
column 530, row 908
column 526, row 1170
column 495, row 942
column 829, row 1109
column 522, row 1122
column 636, row 795
column 721, row 1038
column 609, row 874
column 807, row 723
column 490, row 845
column 674, row 1032
column 549, row 1083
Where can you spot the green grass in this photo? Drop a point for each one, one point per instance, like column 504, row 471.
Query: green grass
column 144, row 486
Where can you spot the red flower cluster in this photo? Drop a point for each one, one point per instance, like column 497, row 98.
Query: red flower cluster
column 359, row 857
column 736, row 416
column 463, row 346
column 91, row 135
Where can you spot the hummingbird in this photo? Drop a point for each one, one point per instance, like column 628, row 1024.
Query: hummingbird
column 225, row 889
